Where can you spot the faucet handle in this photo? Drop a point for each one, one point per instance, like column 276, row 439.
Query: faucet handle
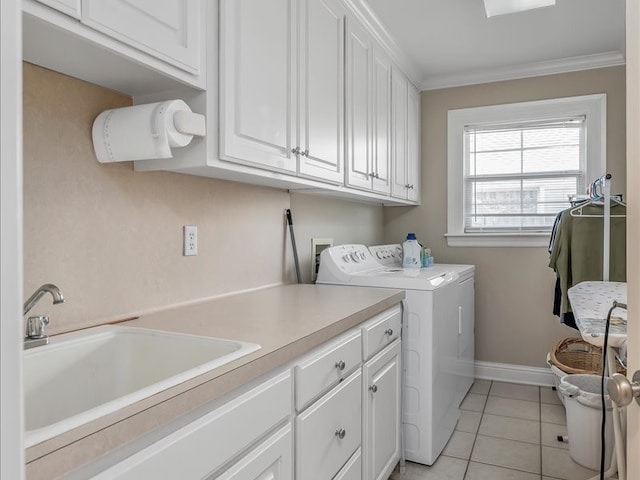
column 35, row 326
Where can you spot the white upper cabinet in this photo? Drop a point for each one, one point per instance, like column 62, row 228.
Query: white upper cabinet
column 138, row 47
column 68, row 7
column 413, row 144
column 321, row 96
column 358, row 81
column 399, row 125
column 257, row 83
column 166, row 29
column 381, row 122
column 405, row 178
column 368, row 80
column 282, row 90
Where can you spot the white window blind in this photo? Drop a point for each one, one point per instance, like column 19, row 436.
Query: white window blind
column 517, row 177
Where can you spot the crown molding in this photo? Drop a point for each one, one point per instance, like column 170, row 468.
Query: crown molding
column 363, row 13
column 565, row 65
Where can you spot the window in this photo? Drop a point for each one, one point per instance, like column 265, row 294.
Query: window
column 513, row 167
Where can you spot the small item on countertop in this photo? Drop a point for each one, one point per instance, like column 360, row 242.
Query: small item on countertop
column 411, row 252
column 427, row 258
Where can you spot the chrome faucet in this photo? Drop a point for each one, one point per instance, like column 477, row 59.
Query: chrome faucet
column 34, row 335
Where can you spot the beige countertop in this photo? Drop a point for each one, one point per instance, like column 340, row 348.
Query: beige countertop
column 286, row 321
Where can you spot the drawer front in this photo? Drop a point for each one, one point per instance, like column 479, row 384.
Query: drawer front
column 353, row 469
column 272, row 459
column 327, row 366
column 330, row 431
column 204, row 445
column 381, row 331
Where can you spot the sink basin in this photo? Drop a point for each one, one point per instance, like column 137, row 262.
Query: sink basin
column 84, row 375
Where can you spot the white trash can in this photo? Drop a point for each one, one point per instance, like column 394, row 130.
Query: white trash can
column 584, row 419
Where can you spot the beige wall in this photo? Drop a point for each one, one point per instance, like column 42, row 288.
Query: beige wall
column 514, row 288
column 344, row 222
column 111, row 238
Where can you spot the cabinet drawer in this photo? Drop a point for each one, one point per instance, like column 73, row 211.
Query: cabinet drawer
column 325, row 367
column 330, row 431
column 380, row 331
column 353, row 469
column 204, row 445
column 271, row 459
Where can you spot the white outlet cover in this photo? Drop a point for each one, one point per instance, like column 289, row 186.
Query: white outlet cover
column 190, row 240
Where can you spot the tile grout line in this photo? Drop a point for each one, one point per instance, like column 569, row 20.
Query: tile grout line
column 475, row 438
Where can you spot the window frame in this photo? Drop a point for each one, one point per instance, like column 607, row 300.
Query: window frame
column 592, row 107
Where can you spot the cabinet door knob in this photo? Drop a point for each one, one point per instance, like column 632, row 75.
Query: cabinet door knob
column 372, row 175
column 373, row 388
column 377, row 175
column 341, row 433
column 305, row 153
column 341, row 365
column 388, row 331
column 296, row 151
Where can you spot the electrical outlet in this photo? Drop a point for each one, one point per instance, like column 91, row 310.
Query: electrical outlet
column 317, row 246
column 190, row 240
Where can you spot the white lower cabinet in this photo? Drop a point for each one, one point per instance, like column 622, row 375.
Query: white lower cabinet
column 329, row 431
column 353, row 469
column 381, row 412
column 205, row 445
column 325, row 416
column 271, row 460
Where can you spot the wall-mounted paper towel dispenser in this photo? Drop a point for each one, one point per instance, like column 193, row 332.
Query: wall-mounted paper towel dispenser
column 145, row 132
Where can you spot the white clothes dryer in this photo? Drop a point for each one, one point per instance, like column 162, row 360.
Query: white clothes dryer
column 438, row 338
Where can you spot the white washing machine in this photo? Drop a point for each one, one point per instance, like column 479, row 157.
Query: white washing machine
column 438, row 338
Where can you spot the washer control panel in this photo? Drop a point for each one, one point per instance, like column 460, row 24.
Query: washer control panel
column 349, row 259
column 388, row 255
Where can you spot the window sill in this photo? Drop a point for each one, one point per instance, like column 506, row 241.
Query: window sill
column 497, row 239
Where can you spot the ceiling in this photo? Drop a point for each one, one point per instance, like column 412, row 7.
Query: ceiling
column 452, row 42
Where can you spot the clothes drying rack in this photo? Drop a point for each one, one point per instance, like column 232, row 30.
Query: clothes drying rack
column 601, row 189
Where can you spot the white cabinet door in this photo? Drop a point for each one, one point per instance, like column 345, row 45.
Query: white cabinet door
column 399, row 128
column 381, row 121
column 466, row 337
column 257, row 83
column 321, row 79
column 68, row 7
column 358, row 111
column 382, row 408
column 352, row 469
column 413, row 144
column 167, row 29
column 271, row 460
column 330, row 431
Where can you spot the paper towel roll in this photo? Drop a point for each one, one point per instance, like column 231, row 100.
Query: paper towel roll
column 140, row 132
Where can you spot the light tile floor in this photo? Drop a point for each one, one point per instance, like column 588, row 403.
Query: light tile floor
column 506, row 431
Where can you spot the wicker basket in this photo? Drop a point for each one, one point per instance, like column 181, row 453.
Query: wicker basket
column 575, row 356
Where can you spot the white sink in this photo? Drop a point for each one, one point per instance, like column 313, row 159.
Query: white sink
column 84, row 375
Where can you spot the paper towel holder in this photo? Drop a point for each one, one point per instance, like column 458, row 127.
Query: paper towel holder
column 143, row 132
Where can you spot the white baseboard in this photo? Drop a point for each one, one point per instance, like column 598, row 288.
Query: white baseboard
column 505, row 372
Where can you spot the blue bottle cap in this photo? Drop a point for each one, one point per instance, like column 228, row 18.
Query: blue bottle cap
column 411, row 236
